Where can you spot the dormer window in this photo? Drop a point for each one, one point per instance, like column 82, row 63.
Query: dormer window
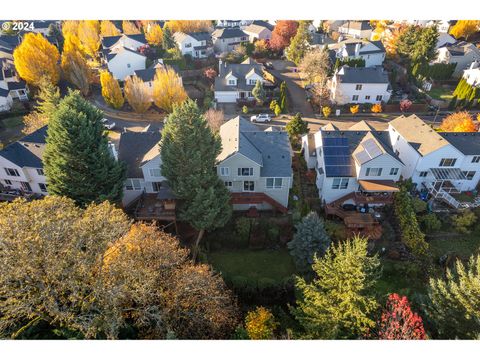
column 231, row 82
column 252, row 82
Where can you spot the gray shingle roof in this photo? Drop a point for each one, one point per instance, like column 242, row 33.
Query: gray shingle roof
column 239, row 71
column 134, row 146
column 363, row 75
column 270, row 149
column 467, row 143
column 109, row 41
column 4, row 92
column 28, row 151
column 264, row 24
column 228, row 33
column 358, row 25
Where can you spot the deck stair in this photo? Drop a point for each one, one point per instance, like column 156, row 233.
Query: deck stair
column 439, row 193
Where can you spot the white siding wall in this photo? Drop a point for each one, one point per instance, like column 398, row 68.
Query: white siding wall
column 125, row 64
column 386, row 163
column 343, row 93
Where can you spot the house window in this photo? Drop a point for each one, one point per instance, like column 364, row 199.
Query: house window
column 367, row 97
column 40, row 172
column 397, row 152
column 156, row 186
column 476, row 159
column 228, row 184
column 26, row 186
column 231, row 82
column 320, row 171
column 423, row 174
column 469, row 174
column 155, row 172
column 448, row 162
column 252, row 82
column 340, row 183
column 274, row 183
column 225, row 171
column 355, row 98
column 129, row 66
column 245, row 171
column 188, row 45
column 132, row 184
column 393, row 171
column 43, row 187
column 374, row 172
column 12, row 172
column 248, row 186
column 7, row 182
column 379, row 97
column 358, row 87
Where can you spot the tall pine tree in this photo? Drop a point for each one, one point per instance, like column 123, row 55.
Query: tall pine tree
column 300, row 43
column 189, row 152
column 338, row 303
column 167, row 41
column 77, row 161
column 309, row 241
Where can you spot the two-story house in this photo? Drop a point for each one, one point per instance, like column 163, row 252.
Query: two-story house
column 227, row 39
column 258, row 32
column 356, row 29
column 461, row 53
column 372, row 52
column 360, row 85
column 255, row 165
column 198, row 45
column 236, row 81
column 442, row 162
column 122, row 56
column 21, row 164
column 356, row 162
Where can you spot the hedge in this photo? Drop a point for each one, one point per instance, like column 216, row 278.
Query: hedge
column 437, row 72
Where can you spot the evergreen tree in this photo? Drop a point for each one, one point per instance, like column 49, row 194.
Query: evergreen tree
column 48, row 98
column 77, row 161
column 309, row 241
column 455, row 306
column 296, row 126
column 418, row 45
column 300, row 43
column 283, row 97
column 259, row 92
column 167, row 41
column 338, row 303
column 189, row 151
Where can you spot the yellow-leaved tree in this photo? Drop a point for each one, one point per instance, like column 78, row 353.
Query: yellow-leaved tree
column 129, row 28
column 189, row 25
column 70, row 27
column 465, row 28
column 137, row 95
column 459, row 122
column 36, row 58
column 111, row 92
column 74, row 65
column 89, row 35
column 155, row 35
column 107, row 28
column 168, row 89
column 260, row 324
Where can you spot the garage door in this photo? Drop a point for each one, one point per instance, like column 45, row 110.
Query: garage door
column 225, row 96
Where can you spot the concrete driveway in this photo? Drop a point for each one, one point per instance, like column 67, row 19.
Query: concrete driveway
column 284, row 70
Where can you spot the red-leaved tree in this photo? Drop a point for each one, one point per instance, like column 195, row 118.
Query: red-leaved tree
column 399, row 322
column 405, row 104
column 210, row 73
column 282, row 34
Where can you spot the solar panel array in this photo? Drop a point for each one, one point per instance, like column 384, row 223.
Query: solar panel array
column 370, row 151
column 336, row 155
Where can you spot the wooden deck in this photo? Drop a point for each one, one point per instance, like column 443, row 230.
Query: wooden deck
column 256, row 198
column 149, row 207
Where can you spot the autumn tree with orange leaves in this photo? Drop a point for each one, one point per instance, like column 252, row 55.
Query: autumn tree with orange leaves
column 465, row 28
column 283, row 32
column 260, row 324
column 168, row 89
column 459, row 122
column 137, row 94
column 36, row 59
column 154, row 36
column 390, row 39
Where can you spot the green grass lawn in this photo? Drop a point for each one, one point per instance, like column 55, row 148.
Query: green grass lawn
column 440, row 93
column 13, row 122
column 253, row 264
column 461, row 245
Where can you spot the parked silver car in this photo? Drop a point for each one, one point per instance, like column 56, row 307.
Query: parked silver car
column 261, row 118
column 108, row 125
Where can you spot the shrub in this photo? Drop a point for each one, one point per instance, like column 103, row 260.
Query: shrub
column 430, row 222
column 242, row 228
column 326, row 110
column 419, row 206
column 245, row 109
column 464, row 221
column 354, row 109
column 273, row 104
column 277, row 110
column 376, row 108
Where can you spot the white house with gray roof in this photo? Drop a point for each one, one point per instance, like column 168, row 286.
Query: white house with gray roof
column 198, row 45
column 372, row 52
column 461, row 53
column 360, row 85
column 356, row 29
column 236, row 81
column 122, row 56
column 258, row 32
column 255, row 165
column 226, row 39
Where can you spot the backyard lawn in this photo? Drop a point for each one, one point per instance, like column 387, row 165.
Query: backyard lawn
column 441, row 93
column 253, row 264
column 13, row 122
column 463, row 246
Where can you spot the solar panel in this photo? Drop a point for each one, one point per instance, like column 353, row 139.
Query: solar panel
column 337, row 157
column 338, row 171
column 372, row 148
column 362, row 157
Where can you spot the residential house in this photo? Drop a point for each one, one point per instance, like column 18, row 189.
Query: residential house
column 236, row 81
column 445, row 39
column 472, row 74
column 198, row 45
column 462, row 53
column 360, row 85
column 442, row 25
column 372, row 52
column 258, row 32
column 132, row 42
column 121, row 54
column 266, row 24
column 439, row 161
column 353, row 163
column 321, row 41
column 148, row 75
column 255, row 165
column 226, row 39
column 232, row 23
column 10, row 80
column 356, row 29
column 21, row 164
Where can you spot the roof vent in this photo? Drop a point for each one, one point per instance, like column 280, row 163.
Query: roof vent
column 25, row 144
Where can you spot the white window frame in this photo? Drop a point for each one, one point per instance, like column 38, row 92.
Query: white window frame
column 447, row 162
column 275, row 184
column 467, row 173
column 40, row 172
column 358, row 87
column 11, row 172
column 240, row 172
column 373, row 172
column 151, row 171
column 44, row 188
column 423, row 174
column 355, row 98
column 394, row 171
column 379, row 98
column 340, row 183
column 228, row 184
column 8, row 182
column 130, row 184
column 476, row 159
column 367, row 97
column 224, row 171
column 232, row 82
column 249, row 181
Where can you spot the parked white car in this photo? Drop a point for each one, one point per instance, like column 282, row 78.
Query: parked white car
column 108, row 125
column 261, row 118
